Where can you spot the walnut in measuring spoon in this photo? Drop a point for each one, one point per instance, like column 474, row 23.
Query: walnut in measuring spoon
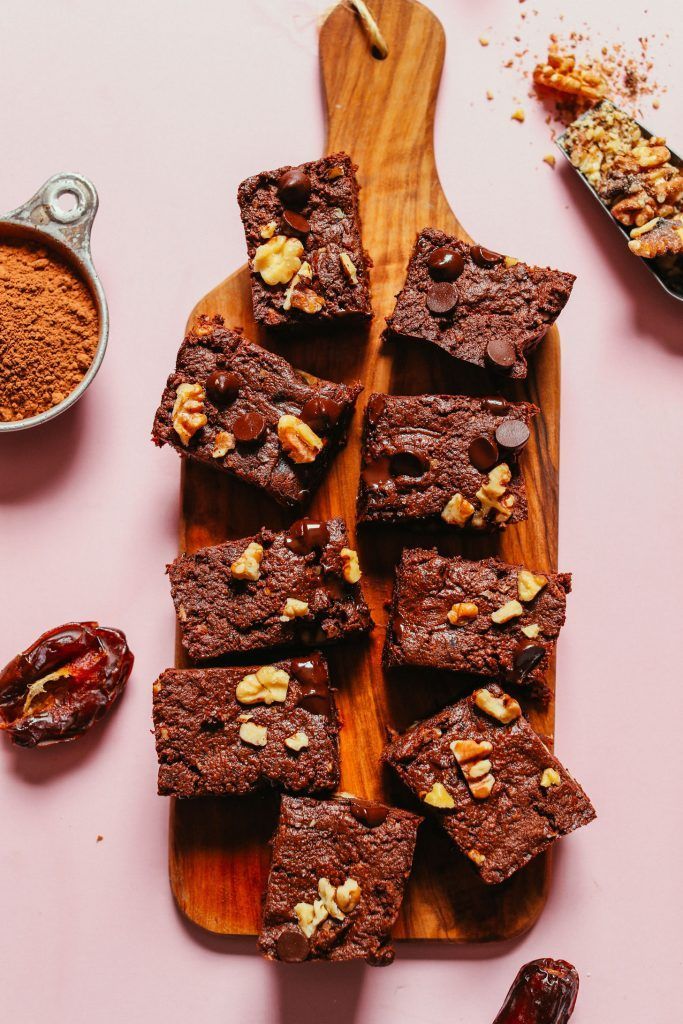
column 63, row 683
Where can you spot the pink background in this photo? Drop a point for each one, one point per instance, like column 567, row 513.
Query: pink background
column 148, row 99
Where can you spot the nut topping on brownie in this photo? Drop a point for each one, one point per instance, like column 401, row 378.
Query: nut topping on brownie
column 303, row 233
column 479, row 306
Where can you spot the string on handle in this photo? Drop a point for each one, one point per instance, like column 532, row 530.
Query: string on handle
column 377, row 40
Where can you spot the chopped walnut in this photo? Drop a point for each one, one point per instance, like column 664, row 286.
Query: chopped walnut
column 335, row 172
column 307, row 300
column 550, row 777
column 350, row 566
column 563, row 75
column 458, row 511
column 268, row 230
column 297, row 741
column 463, row 610
column 278, row 259
column 298, row 440
column 532, row 630
column 476, row 856
column 310, row 915
column 267, row 685
column 223, row 443
column 518, row 115
column 304, row 273
column 438, row 796
column 254, row 735
column 549, row 159
column 293, row 609
column 528, row 585
column 248, row 565
column 188, row 411
column 349, row 267
column 348, row 895
column 510, row 610
column 203, row 326
column 659, row 237
column 504, row 709
column 472, row 758
column 493, row 496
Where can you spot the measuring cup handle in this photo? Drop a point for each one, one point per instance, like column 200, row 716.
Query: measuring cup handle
column 73, row 225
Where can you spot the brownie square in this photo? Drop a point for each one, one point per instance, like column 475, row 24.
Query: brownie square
column 298, row 587
column 232, row 730
column 239, row 408
column 477, row 305
column 449, row 458
column 485, row 617
column 499, row 793
column 303, row 233
column 336, row 880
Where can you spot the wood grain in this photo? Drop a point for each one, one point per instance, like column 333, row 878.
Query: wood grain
column 382, row 113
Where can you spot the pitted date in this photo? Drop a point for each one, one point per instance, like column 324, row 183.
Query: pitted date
column 544, row 992
column 63, row 683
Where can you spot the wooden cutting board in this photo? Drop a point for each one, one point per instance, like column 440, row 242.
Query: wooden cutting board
column 382, row 113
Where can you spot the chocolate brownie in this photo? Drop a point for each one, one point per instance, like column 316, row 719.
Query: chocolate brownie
column 485, row 617
column 306, row 257
column 477, row 305
column 336, row 880
column 498, row 791
column 299, row 587
column 231, row 730
column 444, row 457
column 235, row 406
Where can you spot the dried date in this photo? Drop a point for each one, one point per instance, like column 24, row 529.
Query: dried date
column 544, row 992
column 63, row 683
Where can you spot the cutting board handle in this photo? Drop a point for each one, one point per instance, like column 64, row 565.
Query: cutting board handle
column 378, row 106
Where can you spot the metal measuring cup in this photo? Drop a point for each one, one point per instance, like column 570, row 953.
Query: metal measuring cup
column 44, row 221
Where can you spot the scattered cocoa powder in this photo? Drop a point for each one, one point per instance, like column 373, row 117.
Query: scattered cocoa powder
column 48, row 330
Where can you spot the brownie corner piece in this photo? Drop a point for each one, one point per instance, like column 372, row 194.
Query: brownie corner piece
column 496, row 789
column 299, row 587
column 450, row 459
column 486, row 617
column 241, row 409
column 478, row 305
column 303, row 233
column 232, row 730
column 336, row 880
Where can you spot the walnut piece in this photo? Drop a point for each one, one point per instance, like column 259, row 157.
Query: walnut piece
column 307, row 300
column 504, row 709
column 349, row 267
column 304, row 273
column 267, row 685
column 348, row 895
column 310, row 915
column 335, row 172
column 463, row 610
column 298, row 440
column 297, row 741
column 188, row 411
column 293, row 609
column 493, row 497
column 472, row 757
column 328, row 894
column 438, row 796
column 476, row 856
column 510, row 610
column 223, row 443
column 278, row 259
column 528, row 585
column 563, row 75
column 350, row 566
column 458, row 511
column 659, row 237
column 532, row 630
column 335, row 902
column 248, row 565
column 550, row 778
column 254, row 735
column 268, row 230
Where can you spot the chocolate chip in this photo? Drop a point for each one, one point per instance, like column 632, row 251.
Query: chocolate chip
column 375, row 408
column 442, row 298
column 294, row 188
column 376, row 474
column 321, row 413
column 315, row 695
column 498, row 406
column 407, row 464
column 295, row 223
column 483, row 454
column 306, row 535
column 501, row 354
column 249, row 427
column 485, row 257
column 222, row 386
column 368, row 814
column 445, row 264
column 292, row 946
column 525, row 657
column 512, row 435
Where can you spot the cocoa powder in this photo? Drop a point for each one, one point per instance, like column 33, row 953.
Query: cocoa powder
column 48, row 329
